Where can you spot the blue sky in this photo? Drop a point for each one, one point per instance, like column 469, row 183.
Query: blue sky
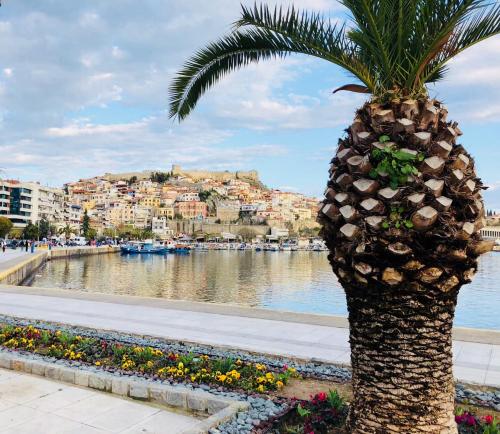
column 83, row 91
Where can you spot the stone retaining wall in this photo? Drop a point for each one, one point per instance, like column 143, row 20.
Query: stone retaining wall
column 26, row 265
column 17, row 273
column 61, row 253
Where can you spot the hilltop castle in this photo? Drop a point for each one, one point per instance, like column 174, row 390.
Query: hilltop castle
column 195, row 175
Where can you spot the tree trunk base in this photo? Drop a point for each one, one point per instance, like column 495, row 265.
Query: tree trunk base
column 401, row 355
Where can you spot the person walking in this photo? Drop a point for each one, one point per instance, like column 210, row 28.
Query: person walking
column 26, row 245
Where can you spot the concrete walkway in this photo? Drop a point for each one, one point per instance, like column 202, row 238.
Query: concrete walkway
column 296, row 335
column 11, row 257
column 32, row 405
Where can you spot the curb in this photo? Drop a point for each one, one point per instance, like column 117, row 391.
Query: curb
column 219, row 410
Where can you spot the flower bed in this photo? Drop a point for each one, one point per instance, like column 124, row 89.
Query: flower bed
column 238, row 375
column 195, row 368
column 325, row 413
column 469, row 423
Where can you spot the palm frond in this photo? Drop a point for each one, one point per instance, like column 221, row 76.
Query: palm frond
column 329, row 42
column 271, row 35
column 391, row 46
column 482, row 25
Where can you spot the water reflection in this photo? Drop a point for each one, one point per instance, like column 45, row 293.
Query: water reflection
column 295, row 281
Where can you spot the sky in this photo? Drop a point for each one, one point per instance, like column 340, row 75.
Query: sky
column 84, row 91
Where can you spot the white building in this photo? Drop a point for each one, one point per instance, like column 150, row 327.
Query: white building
column 16, row 202
column 73, row 215
column 188, row 197
column 160, row 228
column 142, row 216
column 47, row 204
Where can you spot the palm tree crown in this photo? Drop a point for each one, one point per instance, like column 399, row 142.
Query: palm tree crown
column 394, row 47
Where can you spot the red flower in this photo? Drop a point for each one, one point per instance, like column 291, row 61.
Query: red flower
column 470, row 420
column 488, row 420
column 321, row 396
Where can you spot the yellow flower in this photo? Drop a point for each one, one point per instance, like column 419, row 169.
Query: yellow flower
column 239, row 362
column 260, row 388
column 261, row 380
column 279, row 384
column 98, row 363
column 235, row 374
column 149, row 364
column 269, row 376
column 260, row 367
column 180, row 365
column 222, row 378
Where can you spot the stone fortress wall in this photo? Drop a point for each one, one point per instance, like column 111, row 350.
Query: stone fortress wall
column 198, row 175
column 195, row 175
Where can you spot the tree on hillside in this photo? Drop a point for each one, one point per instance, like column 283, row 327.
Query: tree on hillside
column 247, row 234
column 403, row 210
column 211, row 198
column 85, row 224
column 5, row 226
column 160, row 177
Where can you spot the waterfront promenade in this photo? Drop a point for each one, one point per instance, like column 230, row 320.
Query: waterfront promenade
column 316, row 337
column 304, row 336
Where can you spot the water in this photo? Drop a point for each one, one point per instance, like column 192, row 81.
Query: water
column 293, row 281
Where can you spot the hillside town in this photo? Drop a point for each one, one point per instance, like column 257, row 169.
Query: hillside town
column 163, row 204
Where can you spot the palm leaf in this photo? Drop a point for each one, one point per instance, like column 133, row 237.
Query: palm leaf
column 393, row 47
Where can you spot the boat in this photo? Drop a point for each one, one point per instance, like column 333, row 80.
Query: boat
column 271, row 247
column 146, row 247
column 286, row 247
column 182, row 249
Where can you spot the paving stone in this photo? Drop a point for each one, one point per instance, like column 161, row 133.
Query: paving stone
column 38, row 369
column 67, row 375
column 215, row 405
column 17, row 365
column 196, row 402
column 176, row 398
column 158, row 395
column 139, row 391
column 97, row 382
column 82, row 378
column 52, row 372
column 119, row 387
column 5, row 363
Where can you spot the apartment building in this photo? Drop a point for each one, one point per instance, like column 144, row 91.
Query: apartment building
column 16, row 202
column 193, row 209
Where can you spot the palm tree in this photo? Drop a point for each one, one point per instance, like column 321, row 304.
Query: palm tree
column 402, row 209
column 67, row 231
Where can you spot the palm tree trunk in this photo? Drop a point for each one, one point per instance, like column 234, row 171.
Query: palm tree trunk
column 401, row 360
column 402, row 246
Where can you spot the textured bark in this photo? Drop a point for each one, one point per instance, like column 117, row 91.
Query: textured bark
column 401, row 359
column 402, row 284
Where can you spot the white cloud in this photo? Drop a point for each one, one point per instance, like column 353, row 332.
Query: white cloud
column 87, row 82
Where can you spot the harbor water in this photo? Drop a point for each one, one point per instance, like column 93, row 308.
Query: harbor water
column 295, row 281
